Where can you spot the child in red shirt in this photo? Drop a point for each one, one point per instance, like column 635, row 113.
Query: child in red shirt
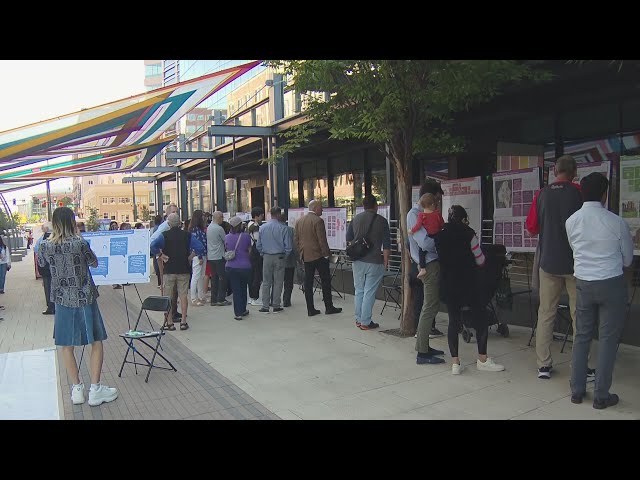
column 431, row 220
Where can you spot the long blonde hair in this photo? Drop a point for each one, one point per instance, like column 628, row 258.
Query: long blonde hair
column 64, row 225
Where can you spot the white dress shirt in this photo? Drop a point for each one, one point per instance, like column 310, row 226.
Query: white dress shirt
column 601, row 242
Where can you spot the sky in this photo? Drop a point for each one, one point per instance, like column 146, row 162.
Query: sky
column 35, row 90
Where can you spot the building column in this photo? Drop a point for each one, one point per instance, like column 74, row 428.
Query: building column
column 157, row 186
column 221, row 198
column 282, row 174
column 183, row 200
column 212, row 186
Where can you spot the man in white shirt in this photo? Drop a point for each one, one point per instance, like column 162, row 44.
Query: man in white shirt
column 253, row 229
column 164, row 227
column 602, row 245
column 215, row 257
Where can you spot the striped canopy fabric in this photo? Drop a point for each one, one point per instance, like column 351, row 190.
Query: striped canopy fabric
column 120, row 136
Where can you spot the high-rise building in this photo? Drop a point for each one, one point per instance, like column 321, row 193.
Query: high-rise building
column 152, row 74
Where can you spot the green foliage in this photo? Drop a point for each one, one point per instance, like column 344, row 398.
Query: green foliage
column 5, row 222
column 408, row 105
column 146, row 216
column 66, row 201
column 34, row 218
column 19, row 218
column 92, row 224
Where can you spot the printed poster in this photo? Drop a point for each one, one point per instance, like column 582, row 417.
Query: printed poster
column 123, row 256
column 513, row 193
column 630, row 196
column 585, row 169
column 335, row 223
column 384, row 210
column 295, row 214
column 466, row 193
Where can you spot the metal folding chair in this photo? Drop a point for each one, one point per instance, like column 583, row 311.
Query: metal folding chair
column 335, row 260
column 392, row 291
column 153, row 304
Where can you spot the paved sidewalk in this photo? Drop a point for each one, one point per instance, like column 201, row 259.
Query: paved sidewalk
column 312, row 368
column 195, row 391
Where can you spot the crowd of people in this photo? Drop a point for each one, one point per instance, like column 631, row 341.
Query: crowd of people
column 582, row 248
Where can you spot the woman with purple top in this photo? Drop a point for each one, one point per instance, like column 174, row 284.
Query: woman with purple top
column 239, row 268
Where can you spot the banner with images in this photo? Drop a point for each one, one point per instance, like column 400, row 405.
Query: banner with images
column 630, row 196
column 384, row 210
column 585, row 169
column 335, row 223
column 123, row 256
column 513, row 193
column 466, row 193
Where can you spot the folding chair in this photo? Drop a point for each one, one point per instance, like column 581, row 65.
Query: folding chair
column 335, row 260
column 392, row 291
column 153, row 304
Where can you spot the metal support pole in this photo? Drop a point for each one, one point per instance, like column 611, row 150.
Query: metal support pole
column 135, row 208
column 212, row 185
column 48, row 201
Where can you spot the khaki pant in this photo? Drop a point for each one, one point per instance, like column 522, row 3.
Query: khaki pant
column 551, row 287
column 430, row 305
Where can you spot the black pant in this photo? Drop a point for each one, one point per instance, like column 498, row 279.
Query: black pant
column 218, row 280
column 156, row 268
column 417, row 289
column 239, row 277
column 479, row 323
column 256, row 277
column 322, row 265
column 288, row 285
column 46, row 282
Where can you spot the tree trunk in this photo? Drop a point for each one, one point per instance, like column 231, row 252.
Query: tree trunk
column 403, row 171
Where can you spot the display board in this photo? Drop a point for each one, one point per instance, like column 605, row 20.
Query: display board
column 513, row 193
column 335, row 223
column 630, row 196
column 384, row 210
column 123, row 256
column 295, row 214
column 415, row 194
column 585, row 169
column 466, row 193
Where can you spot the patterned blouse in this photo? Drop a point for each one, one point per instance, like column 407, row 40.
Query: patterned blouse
column 201, row 235
column 69, row 261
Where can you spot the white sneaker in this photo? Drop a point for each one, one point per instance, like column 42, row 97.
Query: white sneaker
column 77, row 394
column 256, row 302
column 456, row 369
column 489, row 365
column 101, row 395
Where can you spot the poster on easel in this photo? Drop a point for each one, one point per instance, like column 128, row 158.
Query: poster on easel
column 513, row 193
column 384, row 210
column 630, row 197
column 123, row 256
column 466, row 193
column 295, row 214
column 585, row 169
column 335, row 223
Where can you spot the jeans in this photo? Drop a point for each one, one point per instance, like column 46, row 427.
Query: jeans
column 272, row 276
column 606, row 300
column 218, row 281
column 239, row 278
column 3, row 275
column 366, row 280
column 322, row 265
column 46, row 283
column 256, row 277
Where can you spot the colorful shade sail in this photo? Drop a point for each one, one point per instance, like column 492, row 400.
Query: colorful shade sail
column 10, row 187
column 116, row 160
column 132, row 122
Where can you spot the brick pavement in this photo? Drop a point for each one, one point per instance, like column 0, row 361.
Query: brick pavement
column 195, row 392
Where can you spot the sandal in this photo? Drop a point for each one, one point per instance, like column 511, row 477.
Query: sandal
column 171, row 327
column 184, row 326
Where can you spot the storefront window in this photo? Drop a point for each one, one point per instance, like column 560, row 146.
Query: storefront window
column 316, row 189
column 379, row 186
column 231, row 195
column 348, row 190
column 293, row 194
column 245, row 192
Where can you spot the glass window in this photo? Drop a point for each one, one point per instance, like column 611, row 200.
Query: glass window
column 316, row 189
column 379, row 186
column 293, row 194
column 105, row 200
column 90, row 182
column 112, row 200
column 344, row 192
column 231, row 195
column 105, row 215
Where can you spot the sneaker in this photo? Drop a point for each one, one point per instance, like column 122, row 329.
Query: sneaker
column 331, row 310
column 435, row 333
column 101, row 395
column 264, row 310
column 223, row 304
column 415, row 336
column 314, row 312
column 77, row 394
column 609, row 402
column 277, row 309
column 246, row 312
column 591, row 374
column 255, row 302
column 456, row 369
column 237, row 317
column 433, row 351
column 431, row 360
column 545, row 372
column 371, row 326
column 489, row 365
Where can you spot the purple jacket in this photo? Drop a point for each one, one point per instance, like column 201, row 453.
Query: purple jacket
column 242, row 252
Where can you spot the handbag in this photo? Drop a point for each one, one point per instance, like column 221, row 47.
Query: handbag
column 231, row 254
column 360, row 247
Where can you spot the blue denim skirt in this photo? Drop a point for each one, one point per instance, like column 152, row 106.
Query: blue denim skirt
column 78, row 326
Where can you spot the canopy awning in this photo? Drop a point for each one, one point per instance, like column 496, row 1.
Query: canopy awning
column 120, row 136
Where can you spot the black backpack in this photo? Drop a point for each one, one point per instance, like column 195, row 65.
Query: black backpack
column 361, row 247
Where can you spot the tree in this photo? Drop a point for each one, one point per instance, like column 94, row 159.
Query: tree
column 19, row 218
column 92, row 224
column 146, row 216
column 34, row 218
column 403, row 106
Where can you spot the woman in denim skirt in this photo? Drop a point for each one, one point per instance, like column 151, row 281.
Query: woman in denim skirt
column 77, row 316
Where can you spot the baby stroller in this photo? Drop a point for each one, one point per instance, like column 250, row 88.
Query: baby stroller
column 489, row 278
